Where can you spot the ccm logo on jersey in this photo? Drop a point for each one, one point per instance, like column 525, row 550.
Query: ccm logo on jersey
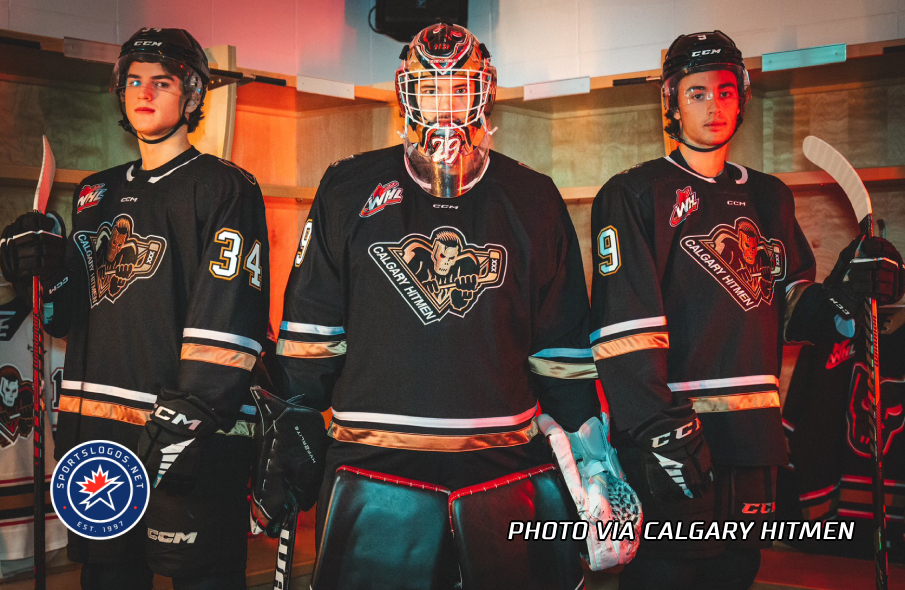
column 677, row 434
column 686, row 202
column 174, row 538
column 383, row 195
column 89, row 196
column 737, row 203
column 766, row 508
column 175, row 418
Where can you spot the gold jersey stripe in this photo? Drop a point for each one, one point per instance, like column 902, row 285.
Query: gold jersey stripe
column 560, row 370
column 735, row 402
column 96, row 409
column 120, row 413
column 310, row 350
column 217, row 356
column 627, row 344
column 432, row 442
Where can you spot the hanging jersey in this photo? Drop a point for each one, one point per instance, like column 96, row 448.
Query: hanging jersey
column 688, row 296
column 827, row 421
column 16, row 437
column 170, row 280
column 438, row 324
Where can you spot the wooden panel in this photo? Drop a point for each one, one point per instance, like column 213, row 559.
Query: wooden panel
column 285, row 221
column 267, row 146
column 524, row 136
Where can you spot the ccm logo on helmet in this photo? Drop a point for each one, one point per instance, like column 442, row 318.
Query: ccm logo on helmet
column 147, row 43
column 679, row 433
column 174, row 538
column 705, row 52
column 175, row 418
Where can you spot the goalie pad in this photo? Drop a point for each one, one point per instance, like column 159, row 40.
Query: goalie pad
column 383, row 531
column 596, row 482
column 481, row 516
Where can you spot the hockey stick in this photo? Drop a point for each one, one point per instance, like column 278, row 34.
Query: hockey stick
column 821, row 153
column 282, row 575
column 42, row 194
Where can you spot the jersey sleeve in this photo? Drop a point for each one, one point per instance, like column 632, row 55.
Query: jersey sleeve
column 312, row 341
column 630, row 338
column 228, row 309
column 561, row 364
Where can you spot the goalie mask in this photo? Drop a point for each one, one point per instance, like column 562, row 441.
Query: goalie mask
column 180, row 55
column 701, row 52
column 446, row 88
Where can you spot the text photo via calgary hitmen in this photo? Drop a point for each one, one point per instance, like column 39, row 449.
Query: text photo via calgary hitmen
column 683, row 531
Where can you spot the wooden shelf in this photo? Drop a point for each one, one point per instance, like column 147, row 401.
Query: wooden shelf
column 28, row 175
column 866, row 63
column 872, row 177
column 40, row 60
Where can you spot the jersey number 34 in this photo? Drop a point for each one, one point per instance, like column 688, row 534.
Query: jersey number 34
column 608, row 250
column 227, row 267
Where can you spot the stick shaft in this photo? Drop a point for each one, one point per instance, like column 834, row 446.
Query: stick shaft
column 38, row 433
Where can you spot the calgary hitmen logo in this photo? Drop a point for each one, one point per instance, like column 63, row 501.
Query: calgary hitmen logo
column 116, row 256
column 442, row 273
column 16, row 406
column 892, row 392
column 740, row 259
column 99, row 489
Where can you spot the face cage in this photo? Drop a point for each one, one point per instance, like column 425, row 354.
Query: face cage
column 670, row 91
column 447, row 106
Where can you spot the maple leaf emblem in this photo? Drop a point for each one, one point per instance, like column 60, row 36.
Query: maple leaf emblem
column 99, row 483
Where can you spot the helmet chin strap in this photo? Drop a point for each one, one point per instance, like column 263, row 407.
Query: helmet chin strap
column 125, row 124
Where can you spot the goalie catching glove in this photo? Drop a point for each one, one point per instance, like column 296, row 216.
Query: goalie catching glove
column 290, row 466
column 676, row 456
column 170, row 444
column 597, row 485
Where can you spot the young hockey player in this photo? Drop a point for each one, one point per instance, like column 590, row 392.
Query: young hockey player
column 701, row 274
column 163, row 294
column 437, row 297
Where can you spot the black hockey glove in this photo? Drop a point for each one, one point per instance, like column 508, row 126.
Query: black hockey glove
column 170, row 445
column 291, row 455
column 867, row 267
column 32, row 245
column 676, row 456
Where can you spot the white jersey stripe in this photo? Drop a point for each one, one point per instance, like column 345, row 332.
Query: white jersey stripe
column 222, row 337
column 400, row 420
column 729, row 382
column 629, row 325
column 312, row 329
column 138, row 396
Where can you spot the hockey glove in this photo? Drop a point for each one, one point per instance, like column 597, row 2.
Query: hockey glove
column 597, row 485
column 290, row 466
column 676, row 456
column 867, row 267
column 170, row 444
column 32, row 245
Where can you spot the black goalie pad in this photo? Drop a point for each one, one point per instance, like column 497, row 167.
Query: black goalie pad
column 481, row 516
column 383, row 531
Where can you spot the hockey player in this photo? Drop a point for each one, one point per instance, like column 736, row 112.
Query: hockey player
column 163, row 294
column 701, row 273
column 433, row 322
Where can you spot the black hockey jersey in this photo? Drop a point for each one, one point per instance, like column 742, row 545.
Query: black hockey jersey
column 170, row 281
column 438, row 324
column 688, row 296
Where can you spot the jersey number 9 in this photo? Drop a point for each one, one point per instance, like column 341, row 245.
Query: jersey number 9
column 608, row 250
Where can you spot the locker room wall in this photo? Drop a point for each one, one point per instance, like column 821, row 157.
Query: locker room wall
column 531, row 40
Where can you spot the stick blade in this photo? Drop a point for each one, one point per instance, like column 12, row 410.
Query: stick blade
column 45, row 179
column 824, row 155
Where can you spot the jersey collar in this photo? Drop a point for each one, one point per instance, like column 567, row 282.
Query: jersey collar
column 732, row 172
column 134, row 172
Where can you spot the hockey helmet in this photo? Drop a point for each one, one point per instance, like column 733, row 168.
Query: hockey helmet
column 446, row 87
column 701, row 52
column 180, row 54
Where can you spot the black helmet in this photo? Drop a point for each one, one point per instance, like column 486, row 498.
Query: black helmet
column 701, row 52
column 179, row 53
